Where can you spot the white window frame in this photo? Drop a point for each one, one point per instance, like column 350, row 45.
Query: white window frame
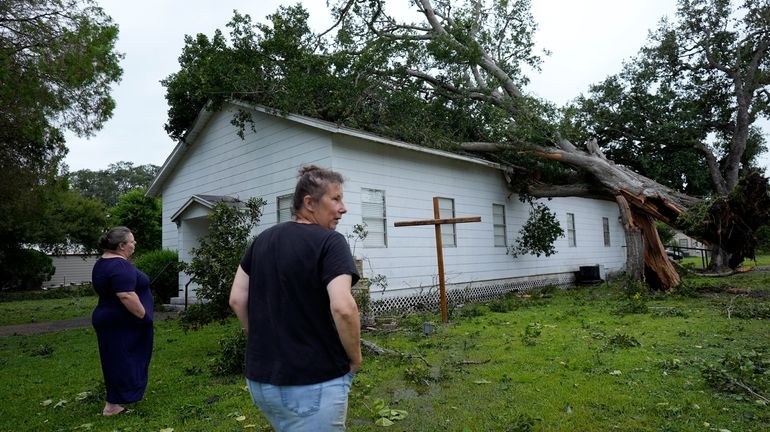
column 374, row 216
column 498, row 224
column 446, row 208
column 571, row 232
column 606, row 231
column 281, row 213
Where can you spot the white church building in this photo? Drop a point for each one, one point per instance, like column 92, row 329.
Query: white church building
column 387, row 181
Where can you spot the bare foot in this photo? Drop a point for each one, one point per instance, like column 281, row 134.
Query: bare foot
column 111, row 409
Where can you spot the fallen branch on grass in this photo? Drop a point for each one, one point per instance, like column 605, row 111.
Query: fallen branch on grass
column 751, row 391
column 386, row 351
column 731, row 306
column 471, row 362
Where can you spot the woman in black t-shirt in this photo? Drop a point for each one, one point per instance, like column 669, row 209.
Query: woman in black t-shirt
column 292, row 295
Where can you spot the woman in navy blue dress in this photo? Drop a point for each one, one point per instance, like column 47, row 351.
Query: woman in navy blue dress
column 122, row 320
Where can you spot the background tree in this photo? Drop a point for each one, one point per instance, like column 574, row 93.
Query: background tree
column 110, row 184
column 142, row 215
column 57, row 62
column 65, row 222
column 683, row 112
column 25, row 269
column 69, row 222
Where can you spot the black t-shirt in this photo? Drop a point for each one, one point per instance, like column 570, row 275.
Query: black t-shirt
column 292, row 338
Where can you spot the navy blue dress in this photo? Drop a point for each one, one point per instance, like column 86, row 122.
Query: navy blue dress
column 125, row 341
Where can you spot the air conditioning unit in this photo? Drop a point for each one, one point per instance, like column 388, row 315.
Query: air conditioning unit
column 589, row 275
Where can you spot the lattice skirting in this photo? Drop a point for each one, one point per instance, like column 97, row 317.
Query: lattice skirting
column 427, row 298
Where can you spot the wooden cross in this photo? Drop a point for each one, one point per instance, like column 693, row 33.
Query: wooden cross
column 437, row 222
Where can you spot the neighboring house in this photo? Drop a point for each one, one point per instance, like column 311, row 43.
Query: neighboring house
column 386, row 181
column 71, row 269
column 689, row 246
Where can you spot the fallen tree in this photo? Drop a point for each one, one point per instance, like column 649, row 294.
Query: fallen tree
column 472, row 51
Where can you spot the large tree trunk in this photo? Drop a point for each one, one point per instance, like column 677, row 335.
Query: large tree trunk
column 659, row 272
column 719, row 258
column 634, row 241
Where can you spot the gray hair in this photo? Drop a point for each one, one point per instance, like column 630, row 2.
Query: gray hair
column 112, row 238
column 313, row 181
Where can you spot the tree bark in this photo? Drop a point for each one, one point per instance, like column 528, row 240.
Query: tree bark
column 634, row 241
column 659, row 272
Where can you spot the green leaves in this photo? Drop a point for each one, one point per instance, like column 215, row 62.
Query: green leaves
column 110, row 184
column 60, row 62
column 386, row 415
column 57, row 63
column 539, row 232
column 142, row 214
column 216, row 258
column 678, row 103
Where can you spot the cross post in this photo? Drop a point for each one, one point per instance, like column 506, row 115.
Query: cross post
column 437, row 222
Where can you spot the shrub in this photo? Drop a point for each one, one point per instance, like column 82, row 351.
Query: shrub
column 216, row 258
column 232, row 355
column 363, row 299
column 531, row 333
column 162, row 267
column 636, row 293
column 199, row 314
column 24, row 269
column 471, row 310
column 539, row 232
column 621, row 340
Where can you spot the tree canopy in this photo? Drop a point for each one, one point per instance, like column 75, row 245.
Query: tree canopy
column 284, row 66
column 57, row 62
column 110, row 184
column 141, row 214
column 684, row 111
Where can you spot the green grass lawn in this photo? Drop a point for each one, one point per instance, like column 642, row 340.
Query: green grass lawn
column 30, row 311
column 698, row 262
column 574, row 360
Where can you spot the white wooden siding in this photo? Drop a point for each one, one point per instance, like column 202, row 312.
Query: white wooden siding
column 263, row 164
column 410, row 180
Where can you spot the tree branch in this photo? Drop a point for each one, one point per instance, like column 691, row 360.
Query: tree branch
column 476, row 94
column 713, row 168
column 386, row 351
column 485, row 62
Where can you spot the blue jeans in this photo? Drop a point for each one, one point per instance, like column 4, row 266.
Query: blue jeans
column 315, row 407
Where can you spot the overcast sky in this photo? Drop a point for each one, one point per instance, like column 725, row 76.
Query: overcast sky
column 589, row 40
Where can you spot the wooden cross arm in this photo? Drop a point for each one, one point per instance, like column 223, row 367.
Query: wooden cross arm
column 438, row 221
